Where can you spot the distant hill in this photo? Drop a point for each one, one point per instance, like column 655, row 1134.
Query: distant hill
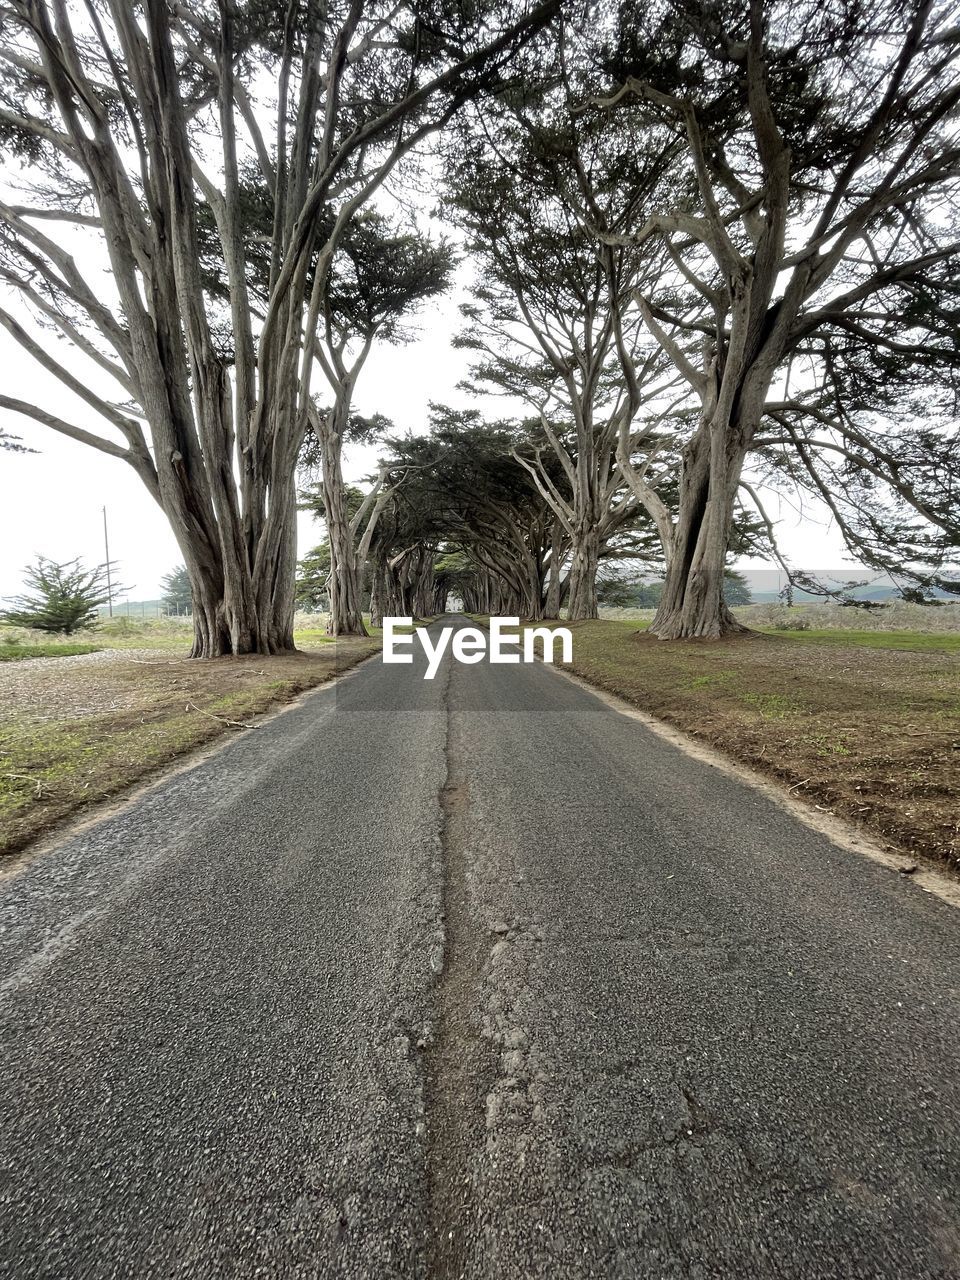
column 766, row 585
column 135, row 609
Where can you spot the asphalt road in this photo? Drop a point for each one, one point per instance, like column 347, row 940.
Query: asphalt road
column 472, row 977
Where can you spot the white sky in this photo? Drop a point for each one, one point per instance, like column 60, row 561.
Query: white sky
column 50, row 502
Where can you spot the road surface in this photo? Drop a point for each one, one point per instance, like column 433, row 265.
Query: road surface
column 472, row 977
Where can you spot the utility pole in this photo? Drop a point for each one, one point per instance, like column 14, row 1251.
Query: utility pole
column 106, row 552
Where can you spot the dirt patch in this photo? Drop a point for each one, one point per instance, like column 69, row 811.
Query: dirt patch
column 871, row 735
column 76, row 731
column 64, row 688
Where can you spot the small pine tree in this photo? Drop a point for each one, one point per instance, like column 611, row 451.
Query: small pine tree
column 313, row 576
column 177, row 596
column 736, row 589
column 61, row 598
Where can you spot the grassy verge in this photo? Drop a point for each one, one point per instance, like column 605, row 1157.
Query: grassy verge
column 908, row 641
column 96, row 730
column 868, row 730
column 19, row 652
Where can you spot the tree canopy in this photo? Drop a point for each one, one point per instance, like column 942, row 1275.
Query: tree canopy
column 714, row 256
column 150, row 132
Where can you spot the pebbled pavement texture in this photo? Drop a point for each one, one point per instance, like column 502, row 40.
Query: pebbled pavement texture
column 691, row 1038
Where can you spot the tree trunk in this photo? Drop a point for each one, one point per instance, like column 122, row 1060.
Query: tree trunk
column 551, row 608
column 692, row 605
column 229, row 621
column 378, row 591
column 346, row 614
column 583, row 573
column 211, row 632
column 215, row 626
column 423, row 584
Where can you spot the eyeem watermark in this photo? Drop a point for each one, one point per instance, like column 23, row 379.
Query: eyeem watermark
column 470, row 644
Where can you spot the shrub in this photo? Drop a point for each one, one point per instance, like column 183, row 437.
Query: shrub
column 61, row 598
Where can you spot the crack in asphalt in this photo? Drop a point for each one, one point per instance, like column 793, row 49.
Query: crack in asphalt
column 472, row 979
column 453, row 1061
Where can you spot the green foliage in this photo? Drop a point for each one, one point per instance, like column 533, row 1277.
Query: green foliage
column 736, row 589
column 359, row 429
column 19, row 652
column 379, row 274
column 61, row 598
column 382, row 274
column 313, row 574
column 311, row 499
column 177, row 596
column 616, row 590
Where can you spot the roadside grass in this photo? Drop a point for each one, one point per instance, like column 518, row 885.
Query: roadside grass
column 309, row 637
column 80, row 733
column 868, row 731
column 894, row 616
column 20, row 652
column 909, row 641
column 171, row 635
column 941, row 636
column 884, row 627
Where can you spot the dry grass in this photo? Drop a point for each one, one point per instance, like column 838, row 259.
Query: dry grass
column 869, row 733
column 898, row 615
column 75, row 731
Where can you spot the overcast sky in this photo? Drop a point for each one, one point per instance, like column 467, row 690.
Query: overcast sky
column 51, row 501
